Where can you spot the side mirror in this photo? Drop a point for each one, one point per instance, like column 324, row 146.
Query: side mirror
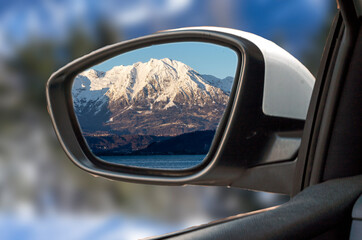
column 208, row 106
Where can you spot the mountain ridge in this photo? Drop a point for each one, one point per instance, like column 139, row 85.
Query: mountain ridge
column 165, row 92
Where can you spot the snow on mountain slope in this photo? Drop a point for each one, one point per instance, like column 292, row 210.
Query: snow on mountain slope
column 145, row 88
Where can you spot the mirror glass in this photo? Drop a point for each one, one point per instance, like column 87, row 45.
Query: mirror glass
column 156, row 107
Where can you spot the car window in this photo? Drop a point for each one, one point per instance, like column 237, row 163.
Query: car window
column 41, row 193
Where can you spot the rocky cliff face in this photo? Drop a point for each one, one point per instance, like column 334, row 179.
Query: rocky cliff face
column 160, row 97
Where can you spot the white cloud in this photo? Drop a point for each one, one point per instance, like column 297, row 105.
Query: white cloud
column 133, row 15
column 176, row 6
column 148, row 10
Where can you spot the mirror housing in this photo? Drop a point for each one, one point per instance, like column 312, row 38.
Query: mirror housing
column 256, row 143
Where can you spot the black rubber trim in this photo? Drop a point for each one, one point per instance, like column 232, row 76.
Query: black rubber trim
column 345, row 140
column 333, row 92
column 310, row 134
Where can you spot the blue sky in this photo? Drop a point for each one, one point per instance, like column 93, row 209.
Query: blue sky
column 205, row 58
column 293, row 24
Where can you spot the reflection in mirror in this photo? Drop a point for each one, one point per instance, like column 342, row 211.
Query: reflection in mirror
column 155, row 107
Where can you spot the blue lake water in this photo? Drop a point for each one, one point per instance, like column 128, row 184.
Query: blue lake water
column 157, row 161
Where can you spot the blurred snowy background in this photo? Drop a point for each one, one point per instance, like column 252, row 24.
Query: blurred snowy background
column 42, row 194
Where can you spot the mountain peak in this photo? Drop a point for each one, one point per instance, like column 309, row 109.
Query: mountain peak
column 153, row 89
column 93, row 73
column 156, row 80
column 168, row 60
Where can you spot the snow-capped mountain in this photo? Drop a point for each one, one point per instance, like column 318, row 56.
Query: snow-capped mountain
column 158, row 97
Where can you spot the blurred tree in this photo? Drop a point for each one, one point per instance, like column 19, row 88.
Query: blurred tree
column 107, row 33
column 35, row 61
